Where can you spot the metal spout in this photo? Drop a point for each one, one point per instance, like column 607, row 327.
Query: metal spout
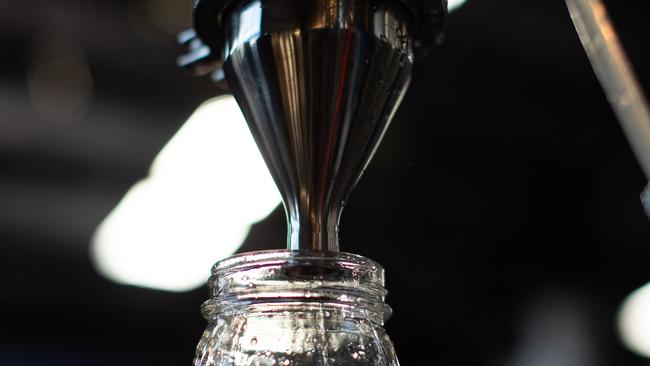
column 319, row 82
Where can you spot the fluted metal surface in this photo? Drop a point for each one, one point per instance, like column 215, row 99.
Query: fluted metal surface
column 319, row 82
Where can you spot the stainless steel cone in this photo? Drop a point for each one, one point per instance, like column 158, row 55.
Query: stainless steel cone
column 318, row 99
column 319, row 82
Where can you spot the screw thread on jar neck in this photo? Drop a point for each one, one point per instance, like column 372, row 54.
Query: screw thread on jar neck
column 268, row 282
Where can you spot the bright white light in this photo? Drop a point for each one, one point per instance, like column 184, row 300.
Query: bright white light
column 205, row 189
column 215, row 157
column 634, row 321
column 454, row 4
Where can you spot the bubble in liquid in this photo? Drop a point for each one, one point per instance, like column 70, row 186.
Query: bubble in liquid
column 254, row 341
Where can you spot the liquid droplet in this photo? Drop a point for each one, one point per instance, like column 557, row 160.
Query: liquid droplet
column 254, row 341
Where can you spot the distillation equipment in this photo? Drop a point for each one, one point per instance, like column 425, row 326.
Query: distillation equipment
column 318, row 82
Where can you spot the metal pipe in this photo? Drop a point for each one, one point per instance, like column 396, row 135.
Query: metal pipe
column 613, row 69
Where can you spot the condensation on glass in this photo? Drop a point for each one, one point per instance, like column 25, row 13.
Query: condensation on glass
column 295, row 308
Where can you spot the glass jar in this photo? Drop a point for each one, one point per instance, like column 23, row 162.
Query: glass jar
column 281, row 308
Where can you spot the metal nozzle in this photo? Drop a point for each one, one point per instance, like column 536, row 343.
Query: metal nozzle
column 318, row 82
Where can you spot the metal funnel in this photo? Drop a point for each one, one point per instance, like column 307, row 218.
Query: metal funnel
column 319, row 82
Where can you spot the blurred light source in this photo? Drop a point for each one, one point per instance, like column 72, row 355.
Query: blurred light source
column 159, row 20
column 555, row 330
column 61, row 90
column 205, row 189
column 455, row 4
column 634, row 321
column 169, row 17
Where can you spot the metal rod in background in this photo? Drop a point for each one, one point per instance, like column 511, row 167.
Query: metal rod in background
column 613, row 69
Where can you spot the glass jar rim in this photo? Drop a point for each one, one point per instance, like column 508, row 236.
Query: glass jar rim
column 281, row 280
column 255, row 258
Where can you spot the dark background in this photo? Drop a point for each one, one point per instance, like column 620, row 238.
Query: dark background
column 504, row 202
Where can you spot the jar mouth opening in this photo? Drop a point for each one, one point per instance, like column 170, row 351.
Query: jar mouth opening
column 256, row 258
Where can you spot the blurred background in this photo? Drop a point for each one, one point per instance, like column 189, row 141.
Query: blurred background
column 504, row 201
